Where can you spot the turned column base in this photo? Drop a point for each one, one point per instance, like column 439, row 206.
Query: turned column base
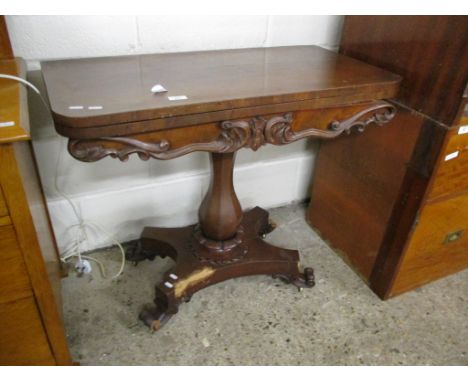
column 201, row 263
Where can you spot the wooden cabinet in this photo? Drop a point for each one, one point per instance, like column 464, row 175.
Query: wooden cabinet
column 394, row 202
column 31, row 328
column 451, row 175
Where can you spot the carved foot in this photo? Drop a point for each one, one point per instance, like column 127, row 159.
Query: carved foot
column 193, row 270
column 154, row 317
column 268, row 228
column 135, row 253
column 301, row 280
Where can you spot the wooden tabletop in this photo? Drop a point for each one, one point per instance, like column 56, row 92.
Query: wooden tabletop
column 113, row 90
column 14, row 121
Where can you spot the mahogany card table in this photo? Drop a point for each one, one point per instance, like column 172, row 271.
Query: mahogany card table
column 217, row 102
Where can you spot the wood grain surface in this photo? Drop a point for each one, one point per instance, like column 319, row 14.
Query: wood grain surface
column 5, row 45
column 13, row 101
column 429, row 52
column 402, row 234
column 356, row 181
column 212, row 81
column 438, row 247
column 24, row 198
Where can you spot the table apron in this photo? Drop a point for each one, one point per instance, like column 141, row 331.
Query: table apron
column 231, row 135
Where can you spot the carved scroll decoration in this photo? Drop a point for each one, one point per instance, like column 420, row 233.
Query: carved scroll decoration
column 93, row 150
column 253, row 133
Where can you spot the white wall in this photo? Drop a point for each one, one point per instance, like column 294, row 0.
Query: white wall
column 124, row 197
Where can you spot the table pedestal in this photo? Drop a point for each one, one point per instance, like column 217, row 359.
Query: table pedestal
column 225, row 244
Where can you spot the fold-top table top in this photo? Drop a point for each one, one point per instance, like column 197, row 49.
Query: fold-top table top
column 93, row 92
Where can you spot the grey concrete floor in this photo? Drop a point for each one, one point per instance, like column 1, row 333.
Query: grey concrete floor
column 260, row 321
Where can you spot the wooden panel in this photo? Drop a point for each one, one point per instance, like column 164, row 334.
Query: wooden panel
column 3, row 206
column 31, row 329
column 434, row 85
column 40, row 215
column 16, row 167
column 23, row 340
column 356, row 181
column 14, row 279
column 407, row 205
column 5, row 46
column 451, row 176
column 438, row 246
column 5, row 220
column 13, row 98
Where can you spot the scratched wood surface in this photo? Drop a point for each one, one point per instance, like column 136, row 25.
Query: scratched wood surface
column 212, row 81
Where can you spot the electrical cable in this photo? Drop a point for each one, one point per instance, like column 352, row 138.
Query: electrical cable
column 82, row 224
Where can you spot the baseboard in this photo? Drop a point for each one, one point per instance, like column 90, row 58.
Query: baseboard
column 172, row 201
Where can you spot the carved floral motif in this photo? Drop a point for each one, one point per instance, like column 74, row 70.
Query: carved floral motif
column 253, row 133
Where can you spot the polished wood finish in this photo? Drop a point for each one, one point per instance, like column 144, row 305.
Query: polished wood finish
column 3, row 206
column 231, row 135
column 23, row 340
column 213, row 81
column 31, row 264
column 220, row 211
column 236, row 99
column 32, row 331
column 404, row 217
column 5, row 45
column 451, row 175
column 14, row 278
column 401, row 172
column 12, row 95
column 429, row 52
column 356, row 182
column 192, row 272
column 437, row 247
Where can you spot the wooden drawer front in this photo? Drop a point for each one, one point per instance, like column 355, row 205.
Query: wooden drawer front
column 438, row 246
column 14, row 280
column 252, row 131
column 22, row 336
column 451, row 176
column 3, row 206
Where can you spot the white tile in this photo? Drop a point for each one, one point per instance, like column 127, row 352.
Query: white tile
column 266, row 183
column 323, row 30
column 125, row 212
column 191, row 163
column 304, row 176
column 53, row 37
column 76, row 177
column 193, row 33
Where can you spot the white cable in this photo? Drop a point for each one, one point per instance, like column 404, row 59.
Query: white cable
column 75, row 247
column 26, row 83
column 22, row 80
column 82, row 224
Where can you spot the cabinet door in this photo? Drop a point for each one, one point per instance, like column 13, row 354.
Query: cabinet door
column 356, row 183
column 34, row 241
column 438, row 245
column 3, row 206
column 23, row 340
column 14, row 279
